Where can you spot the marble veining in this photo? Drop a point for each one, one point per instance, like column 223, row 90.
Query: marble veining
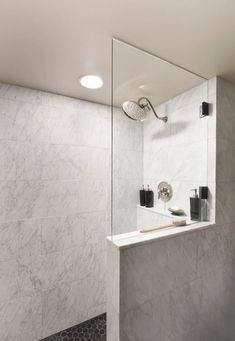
column 178, row 151
column 55, row 155
column 181, row 288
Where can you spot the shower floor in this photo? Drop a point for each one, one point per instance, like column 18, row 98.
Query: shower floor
column 91, row 330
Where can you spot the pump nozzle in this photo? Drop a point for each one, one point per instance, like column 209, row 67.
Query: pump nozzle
column 195, row 192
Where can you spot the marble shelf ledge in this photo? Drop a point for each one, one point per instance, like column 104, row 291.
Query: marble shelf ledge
column 160, row 211
column 134, row 238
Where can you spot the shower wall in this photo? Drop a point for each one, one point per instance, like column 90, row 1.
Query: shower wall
column 54, row 211
column 149, row 152
column 177, row 151
column 182, row 288
column 127, row 171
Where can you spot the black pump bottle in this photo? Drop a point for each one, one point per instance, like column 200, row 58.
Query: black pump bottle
column 194, row 206
column 149, row 198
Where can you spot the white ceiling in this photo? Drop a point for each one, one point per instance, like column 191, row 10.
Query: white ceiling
column 48, row 44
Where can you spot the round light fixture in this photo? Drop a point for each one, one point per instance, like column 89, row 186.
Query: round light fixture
column 91, row 82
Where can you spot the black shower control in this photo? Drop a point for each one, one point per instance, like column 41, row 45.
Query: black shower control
column 204, row 109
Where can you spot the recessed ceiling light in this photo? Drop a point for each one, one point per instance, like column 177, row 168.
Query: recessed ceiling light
column 91, row 82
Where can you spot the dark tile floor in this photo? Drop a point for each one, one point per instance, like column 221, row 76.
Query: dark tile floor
column 91, row 330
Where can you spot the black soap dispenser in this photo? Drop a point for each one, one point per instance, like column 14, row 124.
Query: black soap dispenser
column 142, row 196
column 203, row 196
column 195, row 206
column 149, row 198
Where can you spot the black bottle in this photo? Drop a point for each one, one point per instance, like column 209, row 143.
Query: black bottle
column 203, row 196
column 194, row 206
column 142, row 196
column 149, row 198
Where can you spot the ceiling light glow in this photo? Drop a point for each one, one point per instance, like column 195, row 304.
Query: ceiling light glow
column 91, row 82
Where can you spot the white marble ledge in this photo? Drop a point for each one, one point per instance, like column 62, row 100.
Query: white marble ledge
column 135, row 238
column 161, row 211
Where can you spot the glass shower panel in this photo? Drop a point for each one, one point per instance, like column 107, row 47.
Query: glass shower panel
column 146, row 150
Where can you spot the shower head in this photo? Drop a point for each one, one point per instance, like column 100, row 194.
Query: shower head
column 137, row 110
column 134, row 110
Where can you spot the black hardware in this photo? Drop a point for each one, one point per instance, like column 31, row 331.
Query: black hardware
column 204, row 109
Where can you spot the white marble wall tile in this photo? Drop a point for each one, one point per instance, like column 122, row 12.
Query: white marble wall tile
column 194, row 95
column 157, row 135
column 61, row 233
column 33, row 199
column 113, row 325
column 215, row 248
column 96, row 228
column 127, row 134
column 27, row 161
column 127, row 170
column 62, row 305
column 186, row 125
column 21, row 318
column 55, row 198
column 225, row 108
column 225, row 160
column 209, row 162
column 218, row 302
column 213, row 114
column 90, row 260
column 155, row 164
column 9, row 241
column 9, row 282
column 166, row 317
column 185, row 162
column 84, row 125
column 3, row 88
column 61, row 102
column 15, row 119
column 113, row 277
column 126, row 193
column 174, row 262
column 136, row 277
column 92, row 127
column 200, row 332
column 49, row 271
column 124, row 220
column 15, row 92
column 141, row 324
column 38, row 273
column 127, row 164
column 225, row 197
column 113, row 292
column 21, row 238
column 23, row 199
column 180, row 310
column 212, row 87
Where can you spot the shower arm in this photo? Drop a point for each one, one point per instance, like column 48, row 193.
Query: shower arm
column 149, row 104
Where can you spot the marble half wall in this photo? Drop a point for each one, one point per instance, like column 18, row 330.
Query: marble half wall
column 181, row 288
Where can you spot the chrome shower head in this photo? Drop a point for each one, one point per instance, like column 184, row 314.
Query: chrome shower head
column 137, row 110
column 134, row 110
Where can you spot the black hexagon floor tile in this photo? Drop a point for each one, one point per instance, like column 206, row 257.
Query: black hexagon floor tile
column 91, row 330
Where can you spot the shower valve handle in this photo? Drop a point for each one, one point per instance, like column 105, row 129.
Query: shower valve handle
column 165, row 192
